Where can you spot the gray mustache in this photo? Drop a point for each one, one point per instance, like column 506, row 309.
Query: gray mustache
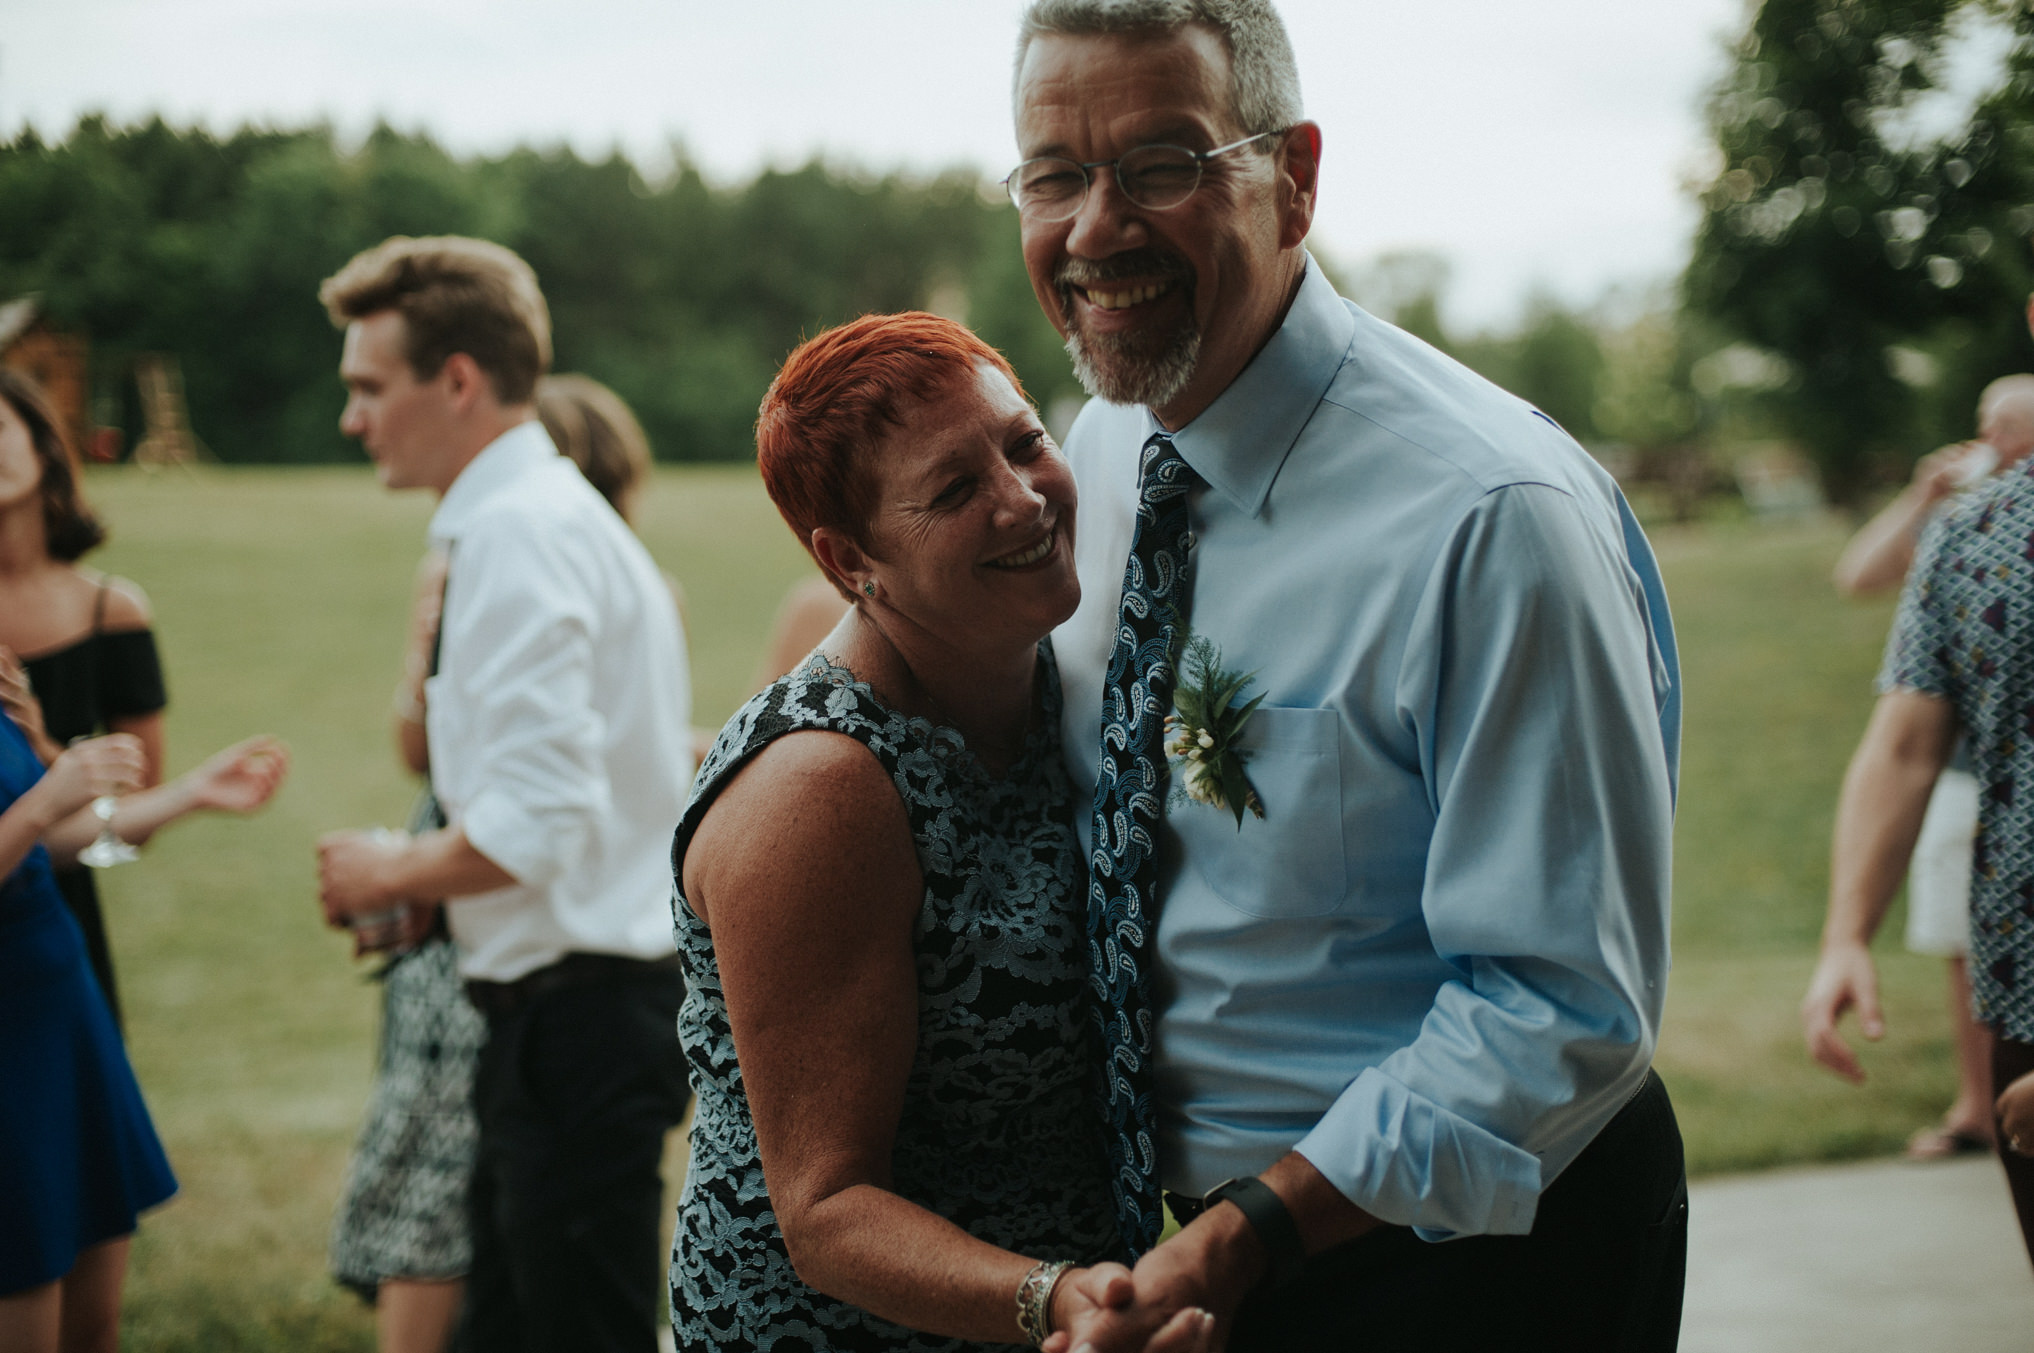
column 1147, row 264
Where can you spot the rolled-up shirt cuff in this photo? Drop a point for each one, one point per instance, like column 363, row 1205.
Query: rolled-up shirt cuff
column 528, row 846
column 1407, row 1160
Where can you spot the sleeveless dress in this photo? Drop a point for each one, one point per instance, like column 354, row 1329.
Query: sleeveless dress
column 998, row 1132
column 78, row 1157
column 82, row 687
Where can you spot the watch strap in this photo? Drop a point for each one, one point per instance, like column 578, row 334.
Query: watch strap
column 1271, row 1219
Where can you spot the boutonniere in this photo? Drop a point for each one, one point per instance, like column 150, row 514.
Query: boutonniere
column 1203, row 728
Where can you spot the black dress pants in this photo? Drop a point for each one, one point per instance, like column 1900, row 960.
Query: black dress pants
column 576, row 1088
column 1602, row 1269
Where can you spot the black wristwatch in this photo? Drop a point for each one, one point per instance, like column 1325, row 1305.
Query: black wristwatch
column 1267, row 1214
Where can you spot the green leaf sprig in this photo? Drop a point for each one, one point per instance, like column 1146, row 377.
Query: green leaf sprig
column 1202, row 731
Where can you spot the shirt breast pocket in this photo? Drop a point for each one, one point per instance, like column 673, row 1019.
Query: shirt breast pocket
column 1291, row 862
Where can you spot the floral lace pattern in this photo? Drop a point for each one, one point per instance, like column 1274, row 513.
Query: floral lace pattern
column 998, row 1132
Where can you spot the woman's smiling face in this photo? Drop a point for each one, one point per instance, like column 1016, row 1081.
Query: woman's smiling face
column 972, row 536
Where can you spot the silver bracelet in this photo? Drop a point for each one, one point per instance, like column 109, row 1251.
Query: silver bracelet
column 1034, row 1298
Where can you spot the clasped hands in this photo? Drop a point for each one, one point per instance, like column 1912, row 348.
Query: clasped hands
column 1180, row 1298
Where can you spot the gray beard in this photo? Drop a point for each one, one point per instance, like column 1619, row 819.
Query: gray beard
column 1122, row 370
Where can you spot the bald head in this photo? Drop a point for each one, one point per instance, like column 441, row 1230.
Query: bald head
column 2006, row 417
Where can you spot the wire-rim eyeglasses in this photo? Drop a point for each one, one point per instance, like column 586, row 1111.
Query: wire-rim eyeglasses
column 1052, row 188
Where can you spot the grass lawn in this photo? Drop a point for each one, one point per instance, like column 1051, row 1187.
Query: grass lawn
column 280, row 597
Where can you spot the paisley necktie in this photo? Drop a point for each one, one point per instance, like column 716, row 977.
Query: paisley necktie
column 1130, row 792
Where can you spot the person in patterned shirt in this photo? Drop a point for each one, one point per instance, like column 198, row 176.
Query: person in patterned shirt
column 1960, row 659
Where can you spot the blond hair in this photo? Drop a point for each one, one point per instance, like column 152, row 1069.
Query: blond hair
column 593, row 427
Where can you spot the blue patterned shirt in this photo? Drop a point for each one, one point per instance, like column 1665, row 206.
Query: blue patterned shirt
column 1436, row 966
column 1965, row 634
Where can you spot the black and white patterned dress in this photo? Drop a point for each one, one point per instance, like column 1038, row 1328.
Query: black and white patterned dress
column 403, row 1211
column 998, row 1133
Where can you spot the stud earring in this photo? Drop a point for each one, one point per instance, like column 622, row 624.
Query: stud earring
column 869, row 588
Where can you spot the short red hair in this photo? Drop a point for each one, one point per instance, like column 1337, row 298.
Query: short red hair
column 832, row 401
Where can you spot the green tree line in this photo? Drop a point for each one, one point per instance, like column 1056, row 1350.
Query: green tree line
column 1850, row 288
column 1889, row 273
column 681, row 294
column 1853, row 283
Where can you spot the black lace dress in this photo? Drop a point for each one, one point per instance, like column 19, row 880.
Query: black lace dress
column 998, row 1132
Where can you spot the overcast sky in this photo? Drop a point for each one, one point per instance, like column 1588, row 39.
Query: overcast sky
column 1531, row 142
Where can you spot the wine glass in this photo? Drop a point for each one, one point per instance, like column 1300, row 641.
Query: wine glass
column 376, row 932
column 107, row 849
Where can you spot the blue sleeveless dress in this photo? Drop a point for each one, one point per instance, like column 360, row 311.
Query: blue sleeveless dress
column 998, row 1132
column 78, row 1157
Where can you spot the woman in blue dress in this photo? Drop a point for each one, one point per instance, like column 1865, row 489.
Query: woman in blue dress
column 79, row 1159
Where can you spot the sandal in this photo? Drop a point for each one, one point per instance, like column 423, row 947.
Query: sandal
column 1941, row 1142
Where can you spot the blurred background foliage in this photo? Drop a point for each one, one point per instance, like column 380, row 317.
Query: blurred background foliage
column 681, row 295
column 1853, row 282
column 1885, row 271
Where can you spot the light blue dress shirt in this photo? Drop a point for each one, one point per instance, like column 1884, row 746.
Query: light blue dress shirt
column 1436, row 966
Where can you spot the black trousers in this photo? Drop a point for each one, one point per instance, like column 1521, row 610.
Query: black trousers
column 1602, row 1270
column 576, row 1089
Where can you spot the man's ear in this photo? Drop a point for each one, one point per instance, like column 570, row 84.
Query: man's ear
column 844, row 561
column 1300, row 169
column 465, row 382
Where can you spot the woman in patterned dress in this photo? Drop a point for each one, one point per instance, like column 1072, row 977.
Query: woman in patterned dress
column 881, row 897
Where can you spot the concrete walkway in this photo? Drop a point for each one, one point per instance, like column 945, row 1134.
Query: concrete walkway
column 1887, row 1256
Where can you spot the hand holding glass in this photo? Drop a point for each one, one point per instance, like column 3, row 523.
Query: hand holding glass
column 1978, row 460
column 379, row 931
column 108, row 767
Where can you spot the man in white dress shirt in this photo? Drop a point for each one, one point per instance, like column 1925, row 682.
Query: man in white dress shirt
column 558, row 715
column 1385, row 1051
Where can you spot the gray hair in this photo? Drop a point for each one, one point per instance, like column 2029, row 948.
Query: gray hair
column 1264, row 87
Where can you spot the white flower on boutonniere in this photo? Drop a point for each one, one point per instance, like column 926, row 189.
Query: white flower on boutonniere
column 1203, row 728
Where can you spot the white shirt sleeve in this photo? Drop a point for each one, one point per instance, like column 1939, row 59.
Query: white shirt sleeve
column 519, row 645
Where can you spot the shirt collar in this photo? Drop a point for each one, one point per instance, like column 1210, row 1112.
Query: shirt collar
column 500, row 463
column 1239, row 442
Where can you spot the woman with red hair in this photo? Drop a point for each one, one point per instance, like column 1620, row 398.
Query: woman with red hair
column 881, row 897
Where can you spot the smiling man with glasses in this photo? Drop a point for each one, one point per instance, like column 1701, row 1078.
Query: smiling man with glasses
column 1385, row 1051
